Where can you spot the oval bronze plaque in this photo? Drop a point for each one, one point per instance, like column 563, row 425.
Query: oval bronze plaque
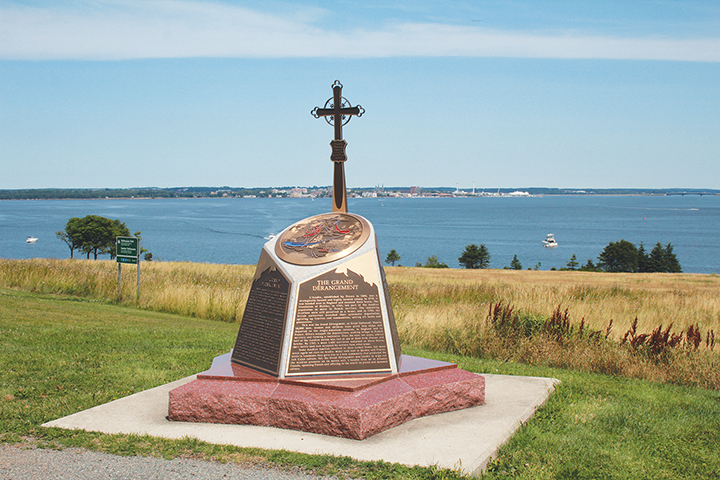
column 322, row 239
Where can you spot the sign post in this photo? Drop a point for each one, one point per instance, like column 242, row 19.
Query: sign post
column 127, row 250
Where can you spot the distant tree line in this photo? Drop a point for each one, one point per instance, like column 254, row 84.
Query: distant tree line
column 91, row 193
column 622, row 256
column 472, row 257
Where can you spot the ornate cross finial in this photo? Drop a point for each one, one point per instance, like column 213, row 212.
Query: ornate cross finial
column 337, row 112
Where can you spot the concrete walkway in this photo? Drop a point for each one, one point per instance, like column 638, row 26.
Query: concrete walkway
column 465, row 439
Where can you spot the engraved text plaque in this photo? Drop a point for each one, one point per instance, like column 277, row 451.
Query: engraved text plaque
column 338, row 327
column 259, row 341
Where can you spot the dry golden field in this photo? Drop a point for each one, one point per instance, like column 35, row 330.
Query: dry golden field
column 427, row 298
column 422, row 297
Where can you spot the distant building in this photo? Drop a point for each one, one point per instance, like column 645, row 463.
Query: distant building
column 298, row 192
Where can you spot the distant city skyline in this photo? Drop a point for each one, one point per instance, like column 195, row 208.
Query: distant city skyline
column 118, row 94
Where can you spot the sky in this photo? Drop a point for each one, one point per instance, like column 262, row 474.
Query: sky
column 490, row 94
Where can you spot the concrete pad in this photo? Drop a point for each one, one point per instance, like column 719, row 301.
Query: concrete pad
column 465, row 439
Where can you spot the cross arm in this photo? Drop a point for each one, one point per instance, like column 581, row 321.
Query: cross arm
column 328, row 112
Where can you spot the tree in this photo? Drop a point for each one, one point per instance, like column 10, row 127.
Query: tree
column 392, row 257
column 475, row 257
column 71, row 235
column 643, row 259
column 619, row 256
column 515, row 263
column 671, row 261
column 662, row 259
column 93, row 234
column 573, row 263
column 433, row 262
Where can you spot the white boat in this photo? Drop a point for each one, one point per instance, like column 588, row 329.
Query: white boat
column 549, row 241
column 31, row 239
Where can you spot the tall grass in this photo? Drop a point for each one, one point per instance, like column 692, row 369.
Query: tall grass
column 428, row 299
column 594, row 322
column 423, row 298
column 215, row 292
column 653, row 326
column 558, row 341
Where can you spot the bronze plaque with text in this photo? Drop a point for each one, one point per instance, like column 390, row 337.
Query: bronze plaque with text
column 338, row 327
column 259, row 341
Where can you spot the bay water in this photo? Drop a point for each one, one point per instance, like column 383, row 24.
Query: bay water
column 233, row 230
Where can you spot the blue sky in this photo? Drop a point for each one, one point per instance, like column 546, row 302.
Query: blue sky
column 567, row 94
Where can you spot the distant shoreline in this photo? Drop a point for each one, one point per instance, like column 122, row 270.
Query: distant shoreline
column 150, row 193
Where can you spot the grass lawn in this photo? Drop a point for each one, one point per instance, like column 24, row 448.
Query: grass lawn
column 61, row 355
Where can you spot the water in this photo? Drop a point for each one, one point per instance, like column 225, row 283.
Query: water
column 234, row 230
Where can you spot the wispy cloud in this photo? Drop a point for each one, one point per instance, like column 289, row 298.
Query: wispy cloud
column 173, row 29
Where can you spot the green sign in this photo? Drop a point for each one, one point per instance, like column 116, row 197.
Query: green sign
column 126, row 249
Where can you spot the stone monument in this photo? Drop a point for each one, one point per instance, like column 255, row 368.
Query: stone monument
column 317, row 349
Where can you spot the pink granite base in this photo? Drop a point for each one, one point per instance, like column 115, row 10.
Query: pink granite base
column 352, row 406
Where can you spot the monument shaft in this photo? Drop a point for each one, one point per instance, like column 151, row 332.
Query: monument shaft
column 340, row 111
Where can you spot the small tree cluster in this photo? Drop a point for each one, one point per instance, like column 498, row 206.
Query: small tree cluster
column 623, row 256
column 589, row 267
column 92, row 235
column 660, row 259
column 433, row 262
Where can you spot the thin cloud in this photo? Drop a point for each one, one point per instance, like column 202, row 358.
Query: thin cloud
column 176, row 29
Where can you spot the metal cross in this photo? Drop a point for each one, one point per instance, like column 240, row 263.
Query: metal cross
column 337, row 112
